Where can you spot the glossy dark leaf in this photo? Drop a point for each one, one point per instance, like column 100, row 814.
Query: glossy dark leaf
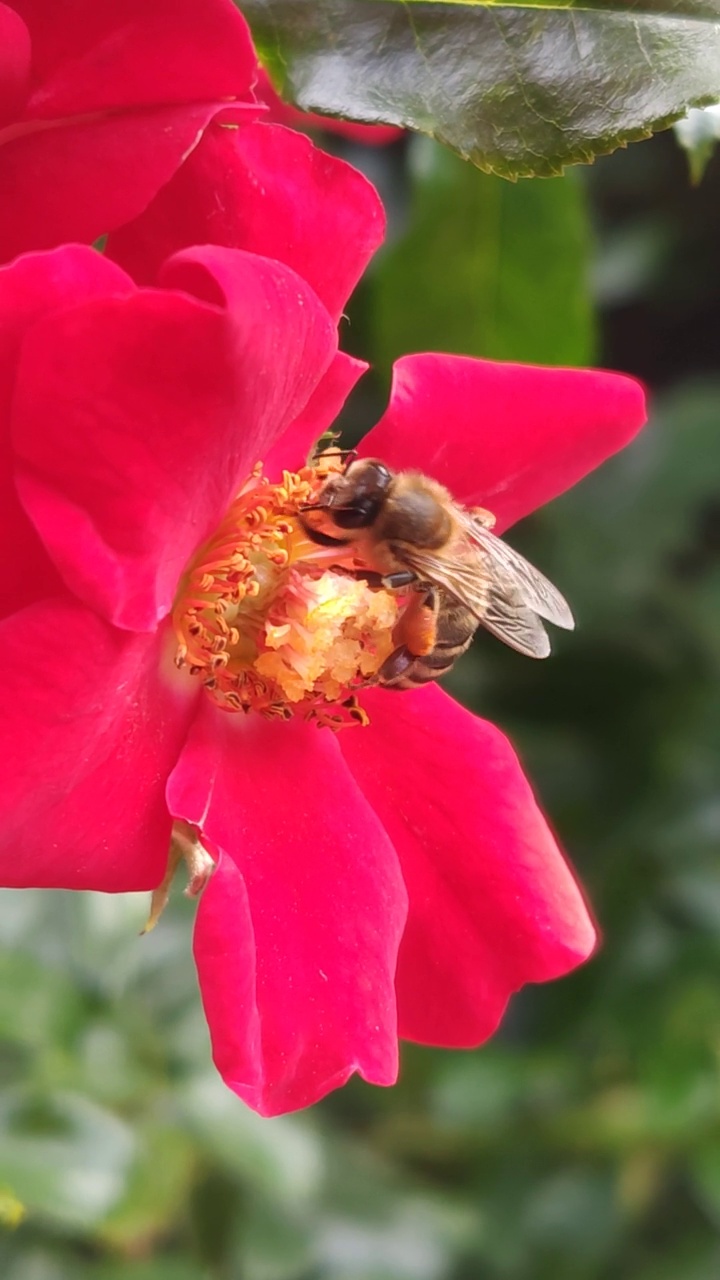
column 519, row 90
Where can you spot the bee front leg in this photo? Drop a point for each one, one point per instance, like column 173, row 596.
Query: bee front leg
column 396, row 581
column 390, row 581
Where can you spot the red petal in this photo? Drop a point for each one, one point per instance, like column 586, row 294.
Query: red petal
column 294, row 447
column 137, row 419
column 89, row 732
column 270, row 191
column 312, row 903
column 93, row 57
column 506, row 436
column 126, row 90
column 81, row 180
column 492, row 903
column 29, row 288
column 14, row 63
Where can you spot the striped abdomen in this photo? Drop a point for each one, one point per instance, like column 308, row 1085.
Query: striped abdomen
column 455, row 628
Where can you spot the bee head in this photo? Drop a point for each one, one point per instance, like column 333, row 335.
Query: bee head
column 355, row 499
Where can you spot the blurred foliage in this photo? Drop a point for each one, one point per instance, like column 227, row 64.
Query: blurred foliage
column 517, row 255
column 583, row 1143
column 699, row 132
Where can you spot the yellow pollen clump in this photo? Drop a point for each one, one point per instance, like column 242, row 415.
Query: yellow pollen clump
column 273, row 623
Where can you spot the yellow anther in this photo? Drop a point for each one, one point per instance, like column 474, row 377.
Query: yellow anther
column 267, row 620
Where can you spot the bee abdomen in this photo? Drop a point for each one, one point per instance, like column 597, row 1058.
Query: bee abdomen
column 422, row 670
column 439, row 662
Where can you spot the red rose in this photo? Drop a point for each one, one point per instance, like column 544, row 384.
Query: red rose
column 393, row 879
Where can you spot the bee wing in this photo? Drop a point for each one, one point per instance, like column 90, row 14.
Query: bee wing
column 487, row 593
column 507, row 594
column 467, row 579
column 508, row 618
column 531, row 586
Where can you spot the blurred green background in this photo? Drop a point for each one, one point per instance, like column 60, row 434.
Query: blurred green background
column 583, row 1143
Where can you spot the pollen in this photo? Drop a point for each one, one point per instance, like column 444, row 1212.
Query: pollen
column 270, row 622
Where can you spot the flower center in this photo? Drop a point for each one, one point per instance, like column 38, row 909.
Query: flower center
column 271, row 622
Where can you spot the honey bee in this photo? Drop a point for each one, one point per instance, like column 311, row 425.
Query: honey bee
column 403, row 531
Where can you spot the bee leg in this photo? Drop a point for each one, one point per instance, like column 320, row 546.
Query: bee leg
column 390, row 581
column 395, row 581
column 418, row 631
column 395, row 668
column 418, row 625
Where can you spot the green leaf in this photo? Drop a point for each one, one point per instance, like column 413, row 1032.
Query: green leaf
column 37, row 1006
column 519, row 90
column 705, row 1169
column 12, row 1210
column 649, row 516
column 162, row 1268
column 275, row 1245
column 157, row 1185
column 64, row 1158
column 486, row 268
column 282, row 1159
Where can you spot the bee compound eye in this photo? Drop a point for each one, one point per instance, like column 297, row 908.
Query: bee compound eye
column 369, row 474
column 381, row 476
column 358, row 514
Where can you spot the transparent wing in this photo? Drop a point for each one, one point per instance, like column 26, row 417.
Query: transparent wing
column 467, row 578
column 505, row 592
column 512, row 622
column 531, row 586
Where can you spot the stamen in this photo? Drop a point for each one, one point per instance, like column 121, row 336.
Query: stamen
column 185, row 846
column 270, row 621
